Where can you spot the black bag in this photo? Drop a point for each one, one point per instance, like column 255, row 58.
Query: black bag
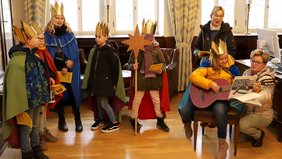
column 60, row 59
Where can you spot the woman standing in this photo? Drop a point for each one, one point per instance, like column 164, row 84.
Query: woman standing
column 62, row 45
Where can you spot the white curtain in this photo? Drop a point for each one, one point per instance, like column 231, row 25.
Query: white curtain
column 35, row 11
column 183, row 15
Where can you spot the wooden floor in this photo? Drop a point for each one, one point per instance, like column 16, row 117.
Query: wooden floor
column 150, row 144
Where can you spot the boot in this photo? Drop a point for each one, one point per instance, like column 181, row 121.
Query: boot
column 221, row 149
column 43, row 142
column 132, row 122
column 258, row 142
column 27, row 155
column 62, row 125
column 62, row 122
column 188, row 130
column 38, row 154
column 49, row 137
column 78, row 124
column 161, row 124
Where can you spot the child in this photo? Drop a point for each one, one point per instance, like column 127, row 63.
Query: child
column 31, row 92
column 45, row 56
column 101, row 78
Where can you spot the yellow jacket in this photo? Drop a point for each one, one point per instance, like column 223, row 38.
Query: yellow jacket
column 204, row 76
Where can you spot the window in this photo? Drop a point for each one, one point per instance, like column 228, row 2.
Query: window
column 122, row 15
column 263, row 14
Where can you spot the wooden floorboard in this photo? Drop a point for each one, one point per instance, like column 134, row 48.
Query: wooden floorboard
column 150, row 144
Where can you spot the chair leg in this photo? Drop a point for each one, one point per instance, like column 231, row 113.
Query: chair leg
column 195, row 124
column 236, row 135
column 230, row 130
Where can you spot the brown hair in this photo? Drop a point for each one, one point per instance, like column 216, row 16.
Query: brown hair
column 260, row 52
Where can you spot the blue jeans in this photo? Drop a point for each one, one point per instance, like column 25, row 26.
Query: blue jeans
column 219, row 108
column 29, row 137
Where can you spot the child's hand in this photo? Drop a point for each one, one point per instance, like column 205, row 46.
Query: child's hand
column 215, row 87
column 135, row 66
column 52, row 81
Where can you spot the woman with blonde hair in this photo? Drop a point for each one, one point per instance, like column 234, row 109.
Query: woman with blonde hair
column 62, row 45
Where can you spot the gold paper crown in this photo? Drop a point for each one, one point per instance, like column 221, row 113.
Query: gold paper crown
column 149, row 27
column 24, row 33
column 57, row 10
column 37, row 28
column 219, row 49
column 102, row 29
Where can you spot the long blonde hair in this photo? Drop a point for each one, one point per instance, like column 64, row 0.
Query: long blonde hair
column 50, row 27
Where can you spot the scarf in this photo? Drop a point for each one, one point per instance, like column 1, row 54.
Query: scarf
column 148, row 59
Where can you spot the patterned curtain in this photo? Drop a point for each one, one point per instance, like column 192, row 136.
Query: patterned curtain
column 183, row 15
column 35, row 11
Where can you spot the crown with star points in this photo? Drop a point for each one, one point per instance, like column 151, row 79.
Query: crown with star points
column 57, row 10
column 149, row 27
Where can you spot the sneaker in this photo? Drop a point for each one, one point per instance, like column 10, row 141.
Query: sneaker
column 258, row 142
column 110, row 128
column 132, row 123
column 98, row 123
column 49, row 137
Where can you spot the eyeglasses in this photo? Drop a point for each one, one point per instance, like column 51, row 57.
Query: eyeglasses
column 256, row 62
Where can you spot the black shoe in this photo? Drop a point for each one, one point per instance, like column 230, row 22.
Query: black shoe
column 161, row 125
column 132, row 122
column 27, row 155
column 78, row 127
column 98, row 123
column 258, row 142
column 110, row 128
column 38, row 154
column 62, row 125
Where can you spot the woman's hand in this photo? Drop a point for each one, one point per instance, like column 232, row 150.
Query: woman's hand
column 256, row 87
column 64, row 71
column 215, row 87
column 69, row 63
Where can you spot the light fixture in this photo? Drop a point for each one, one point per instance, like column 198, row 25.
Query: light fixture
column 107, row 4
column 248, row 3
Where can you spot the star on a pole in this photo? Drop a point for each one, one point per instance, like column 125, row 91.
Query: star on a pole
column 136, row 42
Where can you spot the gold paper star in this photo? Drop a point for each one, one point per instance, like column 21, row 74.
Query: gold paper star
column 136, row 42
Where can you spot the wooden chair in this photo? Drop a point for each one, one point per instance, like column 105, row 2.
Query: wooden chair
column 204, row 115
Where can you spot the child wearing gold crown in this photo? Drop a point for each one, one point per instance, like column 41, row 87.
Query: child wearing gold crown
column 43, row 53
column 149, row 81
column 20, row 116
column 102, row 80
column 222, row 66
column 62, row 45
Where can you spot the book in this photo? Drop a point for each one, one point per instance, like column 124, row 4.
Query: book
column 241, row 90
column 156, row 67
column 65, row 78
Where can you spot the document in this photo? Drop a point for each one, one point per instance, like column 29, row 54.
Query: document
column 65, row 78
column 242, row 90
column 156, row 67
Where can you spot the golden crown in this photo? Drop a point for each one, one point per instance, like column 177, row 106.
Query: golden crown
column 56, row 9
column 219, row 49
column 37, row 28
column 24, row 33
column 149, row 27
column 102, row 29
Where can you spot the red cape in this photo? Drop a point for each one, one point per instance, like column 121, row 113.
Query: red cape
column 53, row 68
column 146, row 109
